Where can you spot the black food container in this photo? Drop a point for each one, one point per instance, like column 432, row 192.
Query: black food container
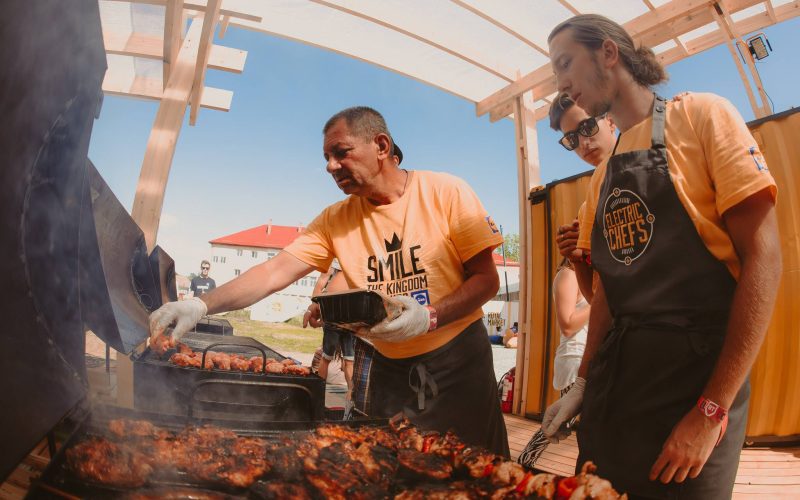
column 352, row 309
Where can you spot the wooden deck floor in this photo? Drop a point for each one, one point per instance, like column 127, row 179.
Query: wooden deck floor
column 763, row 472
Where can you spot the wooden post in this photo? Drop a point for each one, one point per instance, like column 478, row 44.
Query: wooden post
column 736, row 37
column 163, row 137
column 527, row 176
column 155, row 168
column 206, row 41
column 174, row 23
column 730, row 39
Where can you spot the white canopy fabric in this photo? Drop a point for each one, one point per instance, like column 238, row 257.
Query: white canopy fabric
column 485, row 51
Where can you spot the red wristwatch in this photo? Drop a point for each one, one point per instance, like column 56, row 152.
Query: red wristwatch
column 434, row 318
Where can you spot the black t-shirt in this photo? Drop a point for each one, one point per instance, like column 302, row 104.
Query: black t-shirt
column 202, row 285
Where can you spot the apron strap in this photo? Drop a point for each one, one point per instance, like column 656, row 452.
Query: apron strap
column 426, row 381
column 659, row 119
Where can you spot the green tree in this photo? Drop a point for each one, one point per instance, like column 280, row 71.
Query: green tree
column 511, row 246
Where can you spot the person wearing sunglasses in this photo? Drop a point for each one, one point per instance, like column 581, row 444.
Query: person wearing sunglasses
column 203, row 284
column 592, row 139
column 681, row 225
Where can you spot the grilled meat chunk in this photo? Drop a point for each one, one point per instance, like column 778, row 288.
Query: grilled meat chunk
column 175, row 493
column 239, row 363
column 101, row 461
column 125, row 428
column 427, row 465
column 162, row 343
column 452, row 491
column 334, row 462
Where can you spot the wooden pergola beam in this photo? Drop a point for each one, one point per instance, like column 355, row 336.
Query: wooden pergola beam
column 717, row 37
column 770, row 11
column 569, row 7
column 679, row 16
column 502, row 26
column 163, row 137
column 151, row 89
column 223, row 26
column 675, row 38
column 494, row 71
column 210, row 20
column 152, row 47
column 200, row 6
column 173, row 35
column 748, row 58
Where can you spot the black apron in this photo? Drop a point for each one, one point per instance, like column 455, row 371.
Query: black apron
column 452, row 387
column 670, row 299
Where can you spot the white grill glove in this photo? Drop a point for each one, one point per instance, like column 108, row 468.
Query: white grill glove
column 562, row 411
column 184, row 313
column 414, row 319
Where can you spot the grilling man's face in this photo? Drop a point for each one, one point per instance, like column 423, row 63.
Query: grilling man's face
column 204, row 270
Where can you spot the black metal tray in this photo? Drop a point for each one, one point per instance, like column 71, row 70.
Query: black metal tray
column 164, row 387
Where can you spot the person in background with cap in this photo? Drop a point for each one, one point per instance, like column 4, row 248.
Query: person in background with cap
column 681, row 224
column 422, row 237
column 203, row 284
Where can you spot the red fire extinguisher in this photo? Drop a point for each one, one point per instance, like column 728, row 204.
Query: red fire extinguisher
column 507, row 391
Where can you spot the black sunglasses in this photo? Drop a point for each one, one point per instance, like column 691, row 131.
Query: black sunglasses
column 205, row 268
column 586, row 128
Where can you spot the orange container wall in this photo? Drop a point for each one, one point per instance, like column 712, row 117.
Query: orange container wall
column 558, row 204
column 775, row 379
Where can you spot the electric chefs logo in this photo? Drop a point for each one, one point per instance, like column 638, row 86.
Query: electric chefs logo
column 627, row 225
column 400, row 272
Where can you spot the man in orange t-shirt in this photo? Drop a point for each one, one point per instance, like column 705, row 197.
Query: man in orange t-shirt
column 681, row 225
column 422, row 237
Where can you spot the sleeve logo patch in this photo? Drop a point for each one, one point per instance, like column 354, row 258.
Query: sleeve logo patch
column 758, row 159
column 492, row 225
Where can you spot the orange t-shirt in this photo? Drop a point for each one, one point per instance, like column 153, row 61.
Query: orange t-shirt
column 415, row 246
column 714, row 163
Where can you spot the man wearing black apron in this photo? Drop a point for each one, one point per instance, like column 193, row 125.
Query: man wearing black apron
column 683, row 238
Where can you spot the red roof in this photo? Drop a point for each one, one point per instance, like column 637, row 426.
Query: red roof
column 281, row 236
column 498, row 260
column 264, row 236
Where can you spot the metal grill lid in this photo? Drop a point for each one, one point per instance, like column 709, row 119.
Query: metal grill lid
column 49, row 95
column 163, row 268
column 117, row 295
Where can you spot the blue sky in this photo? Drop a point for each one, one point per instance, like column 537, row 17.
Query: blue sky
column 263, row 159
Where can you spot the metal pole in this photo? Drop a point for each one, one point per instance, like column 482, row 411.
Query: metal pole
column 505, row 270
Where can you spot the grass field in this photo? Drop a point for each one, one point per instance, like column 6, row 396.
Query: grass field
column 289, row 336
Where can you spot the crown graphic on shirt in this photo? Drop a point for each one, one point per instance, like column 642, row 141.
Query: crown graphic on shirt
column 394, row 245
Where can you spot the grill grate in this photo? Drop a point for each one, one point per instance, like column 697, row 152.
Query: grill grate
column 164, row 387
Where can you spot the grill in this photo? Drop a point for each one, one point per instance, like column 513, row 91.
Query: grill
column 163, row 387
column 58, row 480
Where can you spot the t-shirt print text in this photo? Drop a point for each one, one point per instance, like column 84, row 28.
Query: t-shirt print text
column 400, row 272
column 627, row 225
